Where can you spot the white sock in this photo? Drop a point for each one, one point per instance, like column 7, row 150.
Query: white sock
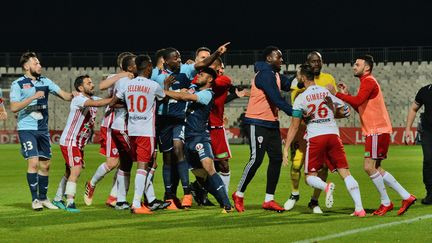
column 113, row 192
column 121, row 186
column 101, row 171
column 268, row 197
column 239, row 194
column 354, row 190
column 378, row 180
column 393, row 183
column 226, row 180
column 316, row 182
column 127, row 181
column 70, row 191
column 149, row 189
column 140, row 178
column 61, row 189
column 151, row 174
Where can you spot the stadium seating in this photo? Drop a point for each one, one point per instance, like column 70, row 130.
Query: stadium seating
column 399, row 82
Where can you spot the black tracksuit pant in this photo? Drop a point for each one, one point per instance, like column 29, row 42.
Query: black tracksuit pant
column 262, row 140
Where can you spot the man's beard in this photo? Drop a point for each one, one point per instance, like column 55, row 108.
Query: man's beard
column 317, row 72
column 35, row 74
column 89, row 93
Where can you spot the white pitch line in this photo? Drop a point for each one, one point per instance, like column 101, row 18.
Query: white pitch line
column 355, row 231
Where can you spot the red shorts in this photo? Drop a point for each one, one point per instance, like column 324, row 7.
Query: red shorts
column 325, row 149
column 73, row 156
column 219, row 143
column 121, row 140
column 376, row 146
column 108, row 147
column 143, row 148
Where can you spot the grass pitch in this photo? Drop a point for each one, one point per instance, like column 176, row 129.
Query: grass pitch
column 206, row 224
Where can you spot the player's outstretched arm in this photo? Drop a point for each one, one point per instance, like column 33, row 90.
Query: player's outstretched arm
column 66, row 96
column 210, row 59
column 292, row 131
column 98, row 103
column 410, row 120
column 181, row 95
column 109, row 82
column 19, row 105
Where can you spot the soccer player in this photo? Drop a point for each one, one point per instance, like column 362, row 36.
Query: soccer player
column 108, row 144
column 140, row 95
column 3, row 113
column 29, row 98
column 219, row 142
column 298, row 147
column 78, row 130
column 197, row 138
column 263, row 125
column 323, row 139
column 171, row 115
column 376, row 127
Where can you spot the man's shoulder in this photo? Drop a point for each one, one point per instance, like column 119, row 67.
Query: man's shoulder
column 20, row 79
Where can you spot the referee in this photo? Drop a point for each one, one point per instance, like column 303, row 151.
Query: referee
column 262, row 125
column 423, row 97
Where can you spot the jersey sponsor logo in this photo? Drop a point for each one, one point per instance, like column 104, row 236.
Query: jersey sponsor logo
column 199, row 146
column 27, row 86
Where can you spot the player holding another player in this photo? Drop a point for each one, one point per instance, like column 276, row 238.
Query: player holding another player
column 323, row 139
column 78, row 130
column 298, row 147
column 198, row 149
column 108, row 141
column 376, row 127
column 140, row 95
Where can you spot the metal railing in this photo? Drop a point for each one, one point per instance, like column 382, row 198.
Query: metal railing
column 233, row 57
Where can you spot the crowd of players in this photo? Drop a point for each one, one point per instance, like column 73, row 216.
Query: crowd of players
column 177, row 108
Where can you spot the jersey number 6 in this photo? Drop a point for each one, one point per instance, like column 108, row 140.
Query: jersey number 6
column 322, row 110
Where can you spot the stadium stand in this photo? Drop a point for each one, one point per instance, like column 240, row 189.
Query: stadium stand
column 399, row 82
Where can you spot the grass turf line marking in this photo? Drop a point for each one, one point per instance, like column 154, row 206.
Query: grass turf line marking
column 355, row 231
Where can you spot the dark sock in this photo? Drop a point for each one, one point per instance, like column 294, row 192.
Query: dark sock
column 174, row 179
column 183, row 172
column 32, row 180
column 218, row 187
column 166, row 173
column 43, row 186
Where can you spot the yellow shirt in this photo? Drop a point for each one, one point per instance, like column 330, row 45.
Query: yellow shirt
column 322, row 80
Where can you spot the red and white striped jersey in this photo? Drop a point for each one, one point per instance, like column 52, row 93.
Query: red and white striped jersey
column 108, row 118
column 119, row 121
column 80, row 122
column 140, row 96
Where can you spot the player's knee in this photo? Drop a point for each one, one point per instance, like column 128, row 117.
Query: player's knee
column 369, row 168
column 112, row 163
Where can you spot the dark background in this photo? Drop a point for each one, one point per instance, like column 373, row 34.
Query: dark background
column 87, row 26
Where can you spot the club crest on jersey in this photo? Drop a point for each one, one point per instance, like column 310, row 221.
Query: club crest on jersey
column 27, row 86
column 260, row 139
column 199, row 146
